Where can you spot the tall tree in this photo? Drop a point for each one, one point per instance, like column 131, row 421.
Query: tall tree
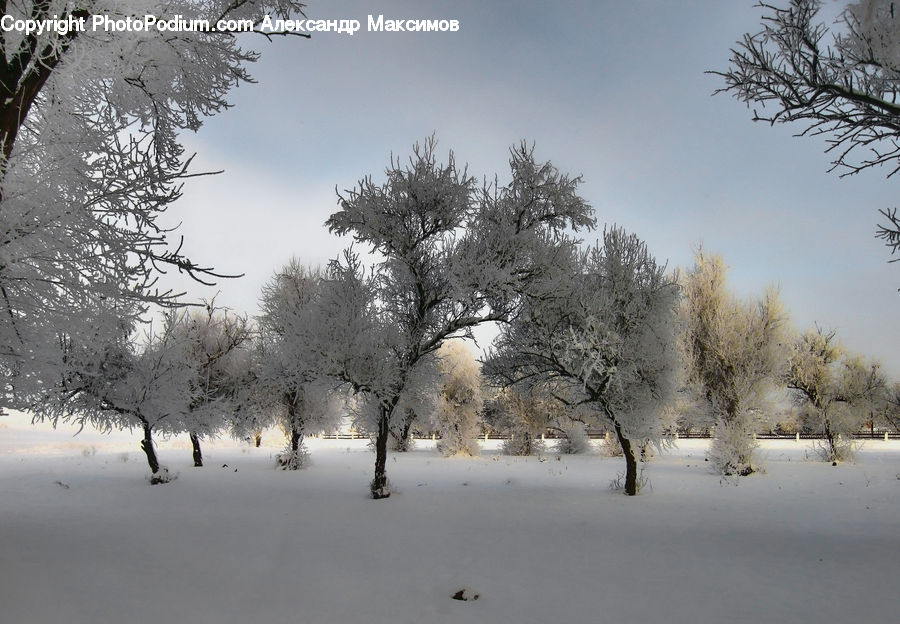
column 216, row 341
column 841, row 83
column 90, row 159
column 734, row 352
column 450, row 257
column 605, row 344
column 288, row 382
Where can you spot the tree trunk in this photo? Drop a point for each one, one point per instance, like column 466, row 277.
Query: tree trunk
column 379, row 485
column 21, row 81
column 630, row 462
column 296, row 439
column 147, row 447
column 832, row 443
column 257, row 437
column 195, row 445
column 402, row 439
column 403, row 442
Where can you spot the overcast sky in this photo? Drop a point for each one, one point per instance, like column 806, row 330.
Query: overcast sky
column 615, row 91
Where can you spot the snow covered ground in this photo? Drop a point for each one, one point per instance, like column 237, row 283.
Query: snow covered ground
column 84, row 538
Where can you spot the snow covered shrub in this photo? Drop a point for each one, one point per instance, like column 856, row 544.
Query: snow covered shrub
column 835, row 449
column 732, row 447
column 292, row 458
column 575, row 442
column 618, row 484
column 380, row 488
column 162, row 476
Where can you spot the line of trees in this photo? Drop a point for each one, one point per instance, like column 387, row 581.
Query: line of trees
column 598, row 336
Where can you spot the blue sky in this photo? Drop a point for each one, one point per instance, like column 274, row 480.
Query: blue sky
column 615, row 91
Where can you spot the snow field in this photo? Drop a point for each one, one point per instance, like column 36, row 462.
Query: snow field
column 84, row 538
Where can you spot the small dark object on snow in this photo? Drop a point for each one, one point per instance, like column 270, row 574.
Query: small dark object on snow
column 235, row 469
column 224, row 465
column 64, row 486
column 465, row 595
column 834, row 463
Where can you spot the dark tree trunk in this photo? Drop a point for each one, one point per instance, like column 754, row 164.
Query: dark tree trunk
column 296, row 439
column 257, row 437
column 630, row 462
column 403, row 443
column 379, row 483
column 293, row 457
column 147, row 447
column 195, row 445
column 21, row 81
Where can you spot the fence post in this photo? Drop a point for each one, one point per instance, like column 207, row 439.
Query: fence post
column 797, row 436
column 676, row 435
column 885, row 436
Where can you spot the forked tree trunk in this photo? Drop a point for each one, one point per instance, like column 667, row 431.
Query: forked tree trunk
column 195, row 446
column 630, row 461
column 147, row 447
column 379, row 483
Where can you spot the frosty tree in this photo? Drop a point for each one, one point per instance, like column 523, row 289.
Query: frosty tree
column 120, row 382
column 733, row 352
column 606, row 343
column 288, row 383
column 450, row 257
column 841, row 83
column 90, row 159
column 216, row 342
column 461, row 398
column 838, row 391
